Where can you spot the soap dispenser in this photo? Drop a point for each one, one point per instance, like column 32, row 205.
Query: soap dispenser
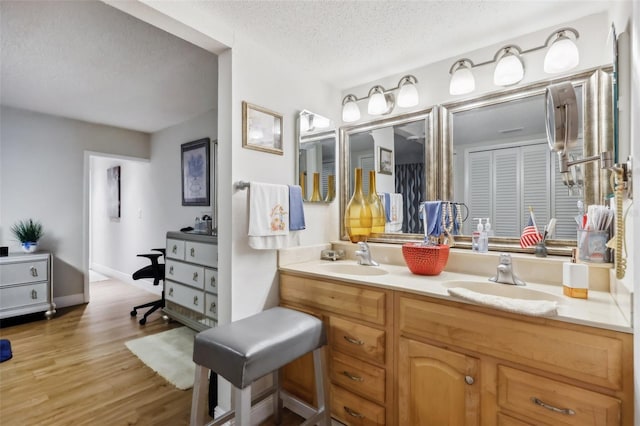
column 488, row 228
column 483, row 244
column 475, row 235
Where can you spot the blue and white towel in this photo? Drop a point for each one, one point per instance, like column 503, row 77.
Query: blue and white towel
column 433, row 210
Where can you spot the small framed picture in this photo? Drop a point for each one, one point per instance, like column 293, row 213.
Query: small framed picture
column 385, row 161
column 261, row 129
column 195, row 173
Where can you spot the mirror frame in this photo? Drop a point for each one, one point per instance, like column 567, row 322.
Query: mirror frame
column 431, row 156
column 596, row 109
column 324, row 134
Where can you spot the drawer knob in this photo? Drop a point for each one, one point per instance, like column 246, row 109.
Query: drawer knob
column 174, row 249
column 195, row 276
column 34, row 294
column 171, row 270
column 565, row 411
column 353, row 413
column 213, row 281
column 193, row 252
column 354, row 341
column 352, row 377
column 213, row 307
column 195, row 300
column 469, row 380
column 34, row 271
column 171, row 291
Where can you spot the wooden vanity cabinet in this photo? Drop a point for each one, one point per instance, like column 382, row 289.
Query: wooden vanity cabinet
column 359, row 328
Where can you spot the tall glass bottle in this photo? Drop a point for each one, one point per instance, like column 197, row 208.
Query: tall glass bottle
column 331, row 188
column 303, row 185
column 377, row 208
column 357, row 215
column 315, row 195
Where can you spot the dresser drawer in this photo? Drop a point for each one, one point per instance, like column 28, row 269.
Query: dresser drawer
column 185, row 296
column 23, row 272
column 351, row 410
column 356, row 339
column 211, row 280
column 175, row 249
column 358, row 377
column 355, row 302
column 588, row 357
column 204, row 254
column 504, row 420
column 185, row 273
column 23, row 295
column 552, row 402
column 211, row 306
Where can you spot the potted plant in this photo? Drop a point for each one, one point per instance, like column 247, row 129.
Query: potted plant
column 28, row 233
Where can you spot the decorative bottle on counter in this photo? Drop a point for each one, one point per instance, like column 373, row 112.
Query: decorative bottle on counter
column 315, row 195
column 377, row 209
column 357, row 215
column 331, row 188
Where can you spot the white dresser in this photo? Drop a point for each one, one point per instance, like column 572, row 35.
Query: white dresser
column 191, row 279
column 26, row 285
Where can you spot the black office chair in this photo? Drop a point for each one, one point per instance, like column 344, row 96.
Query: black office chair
column 155, row 271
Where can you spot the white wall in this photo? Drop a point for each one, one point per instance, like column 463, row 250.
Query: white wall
column 42, row 177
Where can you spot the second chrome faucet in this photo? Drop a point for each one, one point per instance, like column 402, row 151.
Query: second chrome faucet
column 364, row 255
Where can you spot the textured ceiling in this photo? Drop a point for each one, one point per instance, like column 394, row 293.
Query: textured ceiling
column 89, row 61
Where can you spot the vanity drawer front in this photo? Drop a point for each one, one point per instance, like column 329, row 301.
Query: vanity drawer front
column 352, row 410
column 23, row 272
column 211, row 280
column 175, row 249
column 185, row 273
column 204, row 254
column 591, row 358
column 356, row 339
column 352, row 301
column 359, row 377
column 553, row 402
column 185, row 296
column 24, row 295
column 504, row 420
column 211, row 306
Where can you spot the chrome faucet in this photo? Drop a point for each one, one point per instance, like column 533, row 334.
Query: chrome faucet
column 364, row 255
column 505, row 274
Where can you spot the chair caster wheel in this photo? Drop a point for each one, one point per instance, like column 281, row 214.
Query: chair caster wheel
column 143, row 321
column 134, row 313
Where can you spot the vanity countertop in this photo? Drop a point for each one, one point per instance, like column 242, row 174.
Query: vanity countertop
column 599, row 310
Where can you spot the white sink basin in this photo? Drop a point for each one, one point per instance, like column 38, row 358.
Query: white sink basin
column 503, row 290
column 351, row 269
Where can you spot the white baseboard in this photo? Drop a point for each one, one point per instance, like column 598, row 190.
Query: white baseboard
column 127, row 278
column 72, row 300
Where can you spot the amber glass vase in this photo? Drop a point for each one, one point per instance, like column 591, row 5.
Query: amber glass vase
column 357, row 215
column 331, row 188
column 303, row 185
column 377, row 209
column 315, row 195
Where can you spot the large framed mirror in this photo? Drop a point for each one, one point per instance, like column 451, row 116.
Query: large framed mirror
column 402, row 152
column 316, row 157
column 496, row 160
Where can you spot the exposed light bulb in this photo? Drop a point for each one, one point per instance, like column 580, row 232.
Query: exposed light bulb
column 562, row 56
column 462, row 81
column 350, row 110
column 509, row 70
column 408, row 95
column 377, row 102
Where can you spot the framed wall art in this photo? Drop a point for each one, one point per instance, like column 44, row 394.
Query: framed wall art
column 196, row 171
column 113, row 192
column 385, row 161
column 261, row 129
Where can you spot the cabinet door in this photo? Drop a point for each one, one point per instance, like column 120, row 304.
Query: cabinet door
column 437, row 386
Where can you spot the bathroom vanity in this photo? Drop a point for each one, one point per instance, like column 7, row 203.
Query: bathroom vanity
column 404, row 352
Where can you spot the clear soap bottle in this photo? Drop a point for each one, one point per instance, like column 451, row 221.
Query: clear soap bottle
column 475, row 235
column 483, row 244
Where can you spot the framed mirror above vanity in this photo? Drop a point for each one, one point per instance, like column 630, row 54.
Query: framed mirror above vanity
column 490, row 155
column 316, row 157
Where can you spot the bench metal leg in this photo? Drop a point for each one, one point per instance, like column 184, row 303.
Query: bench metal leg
column 243, row 406
column 277, row 401
column 199, row 397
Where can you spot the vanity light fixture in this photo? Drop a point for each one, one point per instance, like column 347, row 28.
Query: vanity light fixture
column 562, row 55
column 381, row 100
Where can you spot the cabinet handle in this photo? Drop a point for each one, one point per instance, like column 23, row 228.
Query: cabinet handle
column 174, row 249
column 193, row 252
column 171, row 291
column 213, row 281
column 170, row 270
column 469, row 380
column 195, row 300
column 195, row 276
column 34, row 294
column 354, row 341
column 34, row 271
column 352, row 377
column 213, row 307
column 353, row 413
column 565, row 411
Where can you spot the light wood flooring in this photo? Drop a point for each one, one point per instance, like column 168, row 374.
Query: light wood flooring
column 75, row 368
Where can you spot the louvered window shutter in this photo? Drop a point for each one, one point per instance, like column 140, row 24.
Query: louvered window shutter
column 506, row 213
column 478, row 188
column 565, row 205
column 536, row 184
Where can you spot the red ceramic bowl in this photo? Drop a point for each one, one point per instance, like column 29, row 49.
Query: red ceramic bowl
column 425, row 260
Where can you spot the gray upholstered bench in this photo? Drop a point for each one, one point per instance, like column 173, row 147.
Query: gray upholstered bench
column 246, row 350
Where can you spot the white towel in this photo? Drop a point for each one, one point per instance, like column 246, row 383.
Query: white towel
column 269, row 217
column 395, row 216
column 538, row 308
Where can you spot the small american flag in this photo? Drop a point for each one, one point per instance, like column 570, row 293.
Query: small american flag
column 530, row 235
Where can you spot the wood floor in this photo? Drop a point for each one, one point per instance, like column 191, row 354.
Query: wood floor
column 75, row 368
